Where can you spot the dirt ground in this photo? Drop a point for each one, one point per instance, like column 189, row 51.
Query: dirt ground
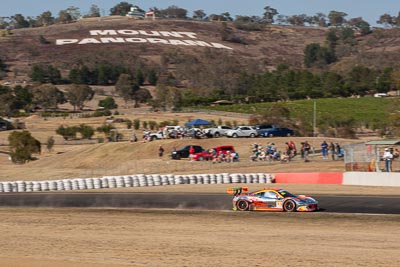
column 128, row 237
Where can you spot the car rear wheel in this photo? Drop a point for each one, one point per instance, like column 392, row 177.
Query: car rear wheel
column 234, row 135
column 270, row 135
column 200, row 158
column 288, row 135
column 252, row 135
column 242, row 205
column 217, row 134
column 289, row 206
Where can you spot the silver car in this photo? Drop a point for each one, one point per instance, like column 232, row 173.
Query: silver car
column 242, row 131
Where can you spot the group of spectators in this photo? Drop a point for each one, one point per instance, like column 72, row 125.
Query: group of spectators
column 333, row 149
column 271, row 153
column 219, row 157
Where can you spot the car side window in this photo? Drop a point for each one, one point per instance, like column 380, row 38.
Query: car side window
column 270, row 194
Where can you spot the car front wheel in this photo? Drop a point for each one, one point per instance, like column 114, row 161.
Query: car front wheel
column 252, row 135
column 234, row 135
column 242, row 205
column 289, row 206
column 217, row 134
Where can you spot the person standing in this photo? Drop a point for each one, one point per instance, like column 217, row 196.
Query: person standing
column 324, row 148
column 332, row 149
column 160, row 151
column 306, row 150
column 191, row 153
column 387, row 157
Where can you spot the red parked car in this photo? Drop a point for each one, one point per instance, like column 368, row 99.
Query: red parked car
column 214, row 152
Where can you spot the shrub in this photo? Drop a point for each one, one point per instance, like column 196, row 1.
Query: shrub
column 108, row 103
column 136, row 124
column 50, row 143
column 86, row 131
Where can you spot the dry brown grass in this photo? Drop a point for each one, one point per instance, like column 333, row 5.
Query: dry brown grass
column 131, row 237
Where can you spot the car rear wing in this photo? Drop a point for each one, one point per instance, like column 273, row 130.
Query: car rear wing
column 237, row 191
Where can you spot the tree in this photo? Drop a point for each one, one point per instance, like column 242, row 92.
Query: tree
column 332, row 39
column 360, row 24
column 64, row 17
column 387, row 20
column 78, row 94
column 320, row 20
column 314, row 54
column 93, row 12
column 173, row 12
column 24, row 97
column 8, row 103
column 48, row 96
column 108, row 103
column 336, row 18
column 121, row 9
column 18, row 21
column 297, row 20
column 74, row 12
column 22, row 146
column 45, row 19
column 45, row 74
column 199, row 14
column 124, row 87
column 269, row 14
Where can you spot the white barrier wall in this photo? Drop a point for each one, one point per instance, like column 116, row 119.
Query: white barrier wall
column 137, row 180
column 372, row 178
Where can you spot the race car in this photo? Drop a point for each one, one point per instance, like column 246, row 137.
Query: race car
column 270, row 199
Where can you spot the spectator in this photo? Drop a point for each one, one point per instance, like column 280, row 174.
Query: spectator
column 306, row 150
column 324, row 150
column 332, row 149
column 293, row 149
column 388, row 157
column 191, row 153
column 339, row 151
column 134, row 137
column 396, row 153
column 160, row 151
column 285, row 158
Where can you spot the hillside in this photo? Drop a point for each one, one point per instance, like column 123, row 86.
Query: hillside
column 137, row 45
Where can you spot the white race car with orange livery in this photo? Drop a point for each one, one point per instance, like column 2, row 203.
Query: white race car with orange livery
column 270, row 199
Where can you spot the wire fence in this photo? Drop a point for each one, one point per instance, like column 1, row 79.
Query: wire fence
column 366, row 158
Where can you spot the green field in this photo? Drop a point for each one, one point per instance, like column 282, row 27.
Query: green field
column 366, row 111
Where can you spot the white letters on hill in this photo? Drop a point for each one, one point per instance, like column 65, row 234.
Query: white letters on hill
column 140, row 36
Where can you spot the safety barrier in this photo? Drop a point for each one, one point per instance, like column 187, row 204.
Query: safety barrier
column 137, row 180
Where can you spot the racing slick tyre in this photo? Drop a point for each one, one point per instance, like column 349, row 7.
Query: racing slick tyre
column 289, row 206
column 242, row 205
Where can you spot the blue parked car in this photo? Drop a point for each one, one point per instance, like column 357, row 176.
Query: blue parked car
column 271, row 132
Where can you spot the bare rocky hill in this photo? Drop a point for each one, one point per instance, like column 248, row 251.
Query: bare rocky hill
column 123, row 41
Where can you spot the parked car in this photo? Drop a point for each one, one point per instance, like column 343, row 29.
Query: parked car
column 208, row 155
column 156, row 136
column 217, row 131
column 265, row 126
column 276, row 132
column 242, row 131
column 184, row 152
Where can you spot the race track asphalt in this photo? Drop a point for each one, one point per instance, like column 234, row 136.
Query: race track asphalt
column 327, row 203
